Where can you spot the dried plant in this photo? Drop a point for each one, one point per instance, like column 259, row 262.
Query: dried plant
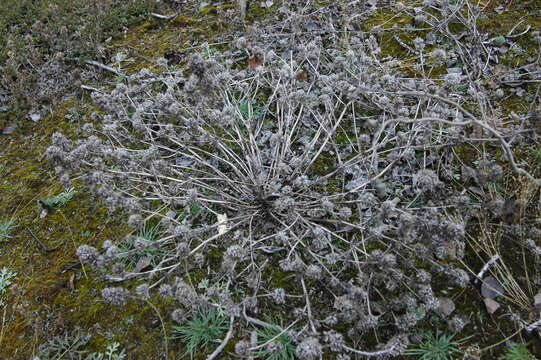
column 317, row 166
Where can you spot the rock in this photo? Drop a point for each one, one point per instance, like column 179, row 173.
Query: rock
column 491, row 287
column 446, row 307
column 491, row 305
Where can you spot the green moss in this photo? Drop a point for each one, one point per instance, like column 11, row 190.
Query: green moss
column 26, row 179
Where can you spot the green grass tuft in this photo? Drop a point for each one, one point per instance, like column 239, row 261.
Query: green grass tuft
column 517, row 352
column 275, row 334
column 6, row 228
column 59, row 200
column 437, row 347
column 201, row 330
column 5, row 279
column 152, row 250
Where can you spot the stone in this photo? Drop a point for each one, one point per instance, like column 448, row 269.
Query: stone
column 446, row 307
column 491, row 288
column 491, row 305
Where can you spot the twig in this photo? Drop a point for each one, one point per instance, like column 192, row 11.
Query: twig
column 528, row 328
column 504, row 144
column 485, row 267
column 282, row 332
column 510, row 32
column 533, row 326
column 3, row 324
column 308, row 307
column 254, row 321
column 372, row 353
column 163, row 327
column 73, row 266
column 164, row 17
column 519, row 34
column 242, row 9
column 116, row 279
column 404, row 45
column 105, row 67
column 224, row 342
column 90, row 88
column 38, row 241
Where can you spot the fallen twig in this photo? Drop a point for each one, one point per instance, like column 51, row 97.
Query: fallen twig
column 254, row 321
column 90, row 88
column 504, row 144
column 379, row 353
column 308, row 307
column 3, row 324
column 71, row 267
column 163, row 326
column 533, row 326
column 164, row 17
column 39, row 242
column 105, row 67
column 224, row 342
column 510, row 32
column 487, row 266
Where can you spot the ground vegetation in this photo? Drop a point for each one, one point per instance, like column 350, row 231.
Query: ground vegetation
column 351, row 179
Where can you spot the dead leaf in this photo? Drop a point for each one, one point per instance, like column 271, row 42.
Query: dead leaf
column 44, row 213
column 491, row 305
column 255, row 61
column 141, row 264
column 301, row 76
column 267, row 4
column 222, row 224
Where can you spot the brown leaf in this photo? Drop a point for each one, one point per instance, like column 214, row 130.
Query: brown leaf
column 255, row 61
column 301, row 76
column 491, row 306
